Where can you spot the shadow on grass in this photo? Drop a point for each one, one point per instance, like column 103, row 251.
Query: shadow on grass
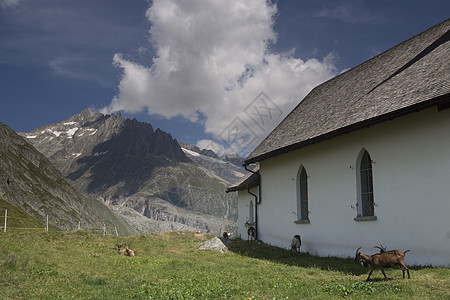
column 305, row 260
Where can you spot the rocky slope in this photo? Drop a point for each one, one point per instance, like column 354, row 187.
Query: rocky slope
column 31, row 183
column 134, row 168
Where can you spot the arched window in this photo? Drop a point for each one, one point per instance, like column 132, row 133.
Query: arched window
column 302, row 195
column 365, row 185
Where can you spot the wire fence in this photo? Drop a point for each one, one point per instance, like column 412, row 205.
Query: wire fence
column 54, row 225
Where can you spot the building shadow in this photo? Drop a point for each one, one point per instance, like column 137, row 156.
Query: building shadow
column 274, row 254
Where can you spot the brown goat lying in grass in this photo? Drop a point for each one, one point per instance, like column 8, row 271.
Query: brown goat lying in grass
column 383, row 261
column 127, row 251
column 119, row 248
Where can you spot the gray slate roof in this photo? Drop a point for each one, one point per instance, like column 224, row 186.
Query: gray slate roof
column 248, row 181
column 411, row 76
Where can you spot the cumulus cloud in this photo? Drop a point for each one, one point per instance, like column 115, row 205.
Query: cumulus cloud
column 218, row 148
column 213, row 58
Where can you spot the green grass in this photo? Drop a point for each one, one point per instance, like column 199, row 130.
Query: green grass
column 18, row 218
column 80, row 265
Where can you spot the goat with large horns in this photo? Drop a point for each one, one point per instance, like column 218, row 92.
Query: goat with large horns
column 383, row 261
column 382, row 249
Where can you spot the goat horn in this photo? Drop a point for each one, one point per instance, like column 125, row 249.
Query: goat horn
column 382, row 249
column 358, row 250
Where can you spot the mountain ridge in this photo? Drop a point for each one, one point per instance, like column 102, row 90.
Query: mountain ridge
column 116, row 160
column 235, row 159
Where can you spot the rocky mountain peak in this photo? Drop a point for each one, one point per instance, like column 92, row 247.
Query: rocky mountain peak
column 139, row 171
column 105, row 149
column 209, row 153
column 85, row 113
column 189, row 147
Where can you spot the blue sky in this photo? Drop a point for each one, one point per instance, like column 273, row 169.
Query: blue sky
column 196, row 69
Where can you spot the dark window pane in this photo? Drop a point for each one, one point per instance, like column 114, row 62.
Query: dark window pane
column 366, row 185
column 304, row 194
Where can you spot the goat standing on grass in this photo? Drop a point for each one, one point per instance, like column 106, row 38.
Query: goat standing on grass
column 251, row 231
column 382, row 249
column 296, row 243
column 383, row 261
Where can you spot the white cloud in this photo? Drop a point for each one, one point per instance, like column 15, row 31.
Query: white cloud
column 219, row 149
column 73, row 66
column 9, row 3
column 213, row 57
column 353, row 12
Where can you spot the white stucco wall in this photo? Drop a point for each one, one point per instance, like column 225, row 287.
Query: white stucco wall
column 244, row 199
column 411, row 177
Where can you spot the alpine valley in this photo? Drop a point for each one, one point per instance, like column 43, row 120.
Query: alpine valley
column 142, row 174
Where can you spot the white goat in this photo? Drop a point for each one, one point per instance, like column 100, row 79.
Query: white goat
column 251, row 231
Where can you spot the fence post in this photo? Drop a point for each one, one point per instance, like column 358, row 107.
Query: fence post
column 117, row 233
column 104, row 229
column 46, row 225
column 6, row 215
column 79, row 225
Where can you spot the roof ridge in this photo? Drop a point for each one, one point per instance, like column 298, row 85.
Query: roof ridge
column 412, row 74
column 441, row 40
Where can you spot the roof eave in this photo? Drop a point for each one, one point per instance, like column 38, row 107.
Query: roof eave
column 441, row 101
column 251, row 182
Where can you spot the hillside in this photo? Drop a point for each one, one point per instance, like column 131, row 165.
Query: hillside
column 29, row 182
column 133, row 168
column 18, row 218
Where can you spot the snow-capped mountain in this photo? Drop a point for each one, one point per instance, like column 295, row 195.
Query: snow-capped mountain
column 140, row 172
column 220, row 167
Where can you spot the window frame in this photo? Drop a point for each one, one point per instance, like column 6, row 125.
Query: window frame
column 365, row 190
column 302, row 199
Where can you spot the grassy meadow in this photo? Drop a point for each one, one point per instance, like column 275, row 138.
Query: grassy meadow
column 81, row 265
